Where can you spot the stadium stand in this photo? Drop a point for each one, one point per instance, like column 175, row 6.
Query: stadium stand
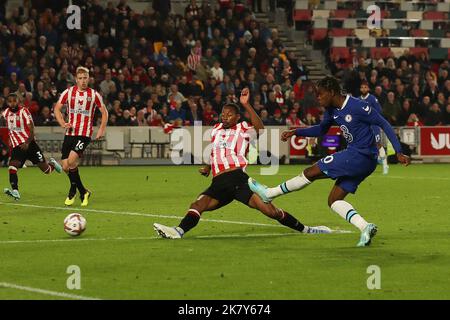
column 155, row 67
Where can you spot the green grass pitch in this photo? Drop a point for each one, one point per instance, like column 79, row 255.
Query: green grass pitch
column 121, row 258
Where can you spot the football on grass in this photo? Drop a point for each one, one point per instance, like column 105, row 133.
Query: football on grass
column 74, row 224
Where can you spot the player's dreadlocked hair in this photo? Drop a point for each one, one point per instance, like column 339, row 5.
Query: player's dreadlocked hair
column 233, row 106
column 331, row 84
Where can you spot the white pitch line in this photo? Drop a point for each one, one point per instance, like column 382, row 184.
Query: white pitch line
column 46, row 292
column 249, row 235
column 138, row 214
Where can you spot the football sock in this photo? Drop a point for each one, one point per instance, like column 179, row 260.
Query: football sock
column 13, row 179
column 294, row 184
column 74, row 176
column 291, row 222
column 346, row 211
column 49, row 169
column 383, row 157
column 189, row 221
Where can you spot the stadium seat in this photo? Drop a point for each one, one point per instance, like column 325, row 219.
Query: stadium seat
column 448, row 57
column 414, row 15
column 426, row 25
column 389, row 24
column 408, row 43
column 339, row 42
column 443, row 6
column 301, row 4
column 362, row 33
column 419, row 33
column 434, row 15
column 445, row 43
column 369, row 42
column 321, row 24
column 302, row 15
column 321, row 14
column 406, row 6
column 398, row 14
column 159, row 139
column 350, row 24
column 418, row 51
column 437, row 33
column 319, row 34
column 342, row 52
column 438, row 53
column 330, row 5
column 341, row 32
column 398, row 33
column 382, row 52
column 115, row 140
column 342, row 14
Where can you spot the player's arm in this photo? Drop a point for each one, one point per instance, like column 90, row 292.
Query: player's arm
column 254, row 118
column 59, row 117
column 205, row 170
column 375, row 118
column 313, row 131
column 102, row 129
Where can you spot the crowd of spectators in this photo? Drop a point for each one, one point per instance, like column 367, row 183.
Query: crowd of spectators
column 154, row 67
column 412, row 90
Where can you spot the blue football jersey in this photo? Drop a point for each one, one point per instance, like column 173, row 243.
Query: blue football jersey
column 355, row 119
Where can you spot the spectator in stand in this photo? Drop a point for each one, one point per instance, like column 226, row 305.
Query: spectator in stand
column 414, row 121
column 299, row 89
column 434, row 116
column 446, row 115
column 293, row 120
column 391, row 108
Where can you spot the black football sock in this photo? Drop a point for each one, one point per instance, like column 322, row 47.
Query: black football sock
column 13, row 179
column 77, row 179
column 291, row 222
column 190, row 220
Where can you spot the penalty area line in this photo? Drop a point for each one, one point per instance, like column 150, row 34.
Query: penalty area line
column 212, row 236
column 45, row 292
column 127, row 213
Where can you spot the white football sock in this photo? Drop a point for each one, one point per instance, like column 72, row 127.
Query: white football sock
column 294, row 184
column 383, row 157
column 346, row 211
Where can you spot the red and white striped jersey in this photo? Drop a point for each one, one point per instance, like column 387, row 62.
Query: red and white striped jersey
column 229, row 147
column 18, row 122
column 80, row 107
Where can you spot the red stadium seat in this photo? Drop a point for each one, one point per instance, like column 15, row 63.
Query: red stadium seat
column 341, row 52
column 382, row 52
column 419, row 33
column 448, row 54
column 341, row 32
column 418, row 51
column 302, row 15
column 342, row 14
column 319, row 34
column 433, row 15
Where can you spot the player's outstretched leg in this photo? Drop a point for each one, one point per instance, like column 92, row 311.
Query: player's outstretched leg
column 49, row 167
column 191, row 219
column 297, row 183
column 283, row 217
column 345, row 210
column 14, row 181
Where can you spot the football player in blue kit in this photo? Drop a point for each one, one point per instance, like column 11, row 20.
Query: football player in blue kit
column 374, row 104
column 348, row 167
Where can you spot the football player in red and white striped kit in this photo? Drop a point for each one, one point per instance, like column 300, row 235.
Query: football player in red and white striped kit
column 24, row 147
column 81, row 103
column 230, row 143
